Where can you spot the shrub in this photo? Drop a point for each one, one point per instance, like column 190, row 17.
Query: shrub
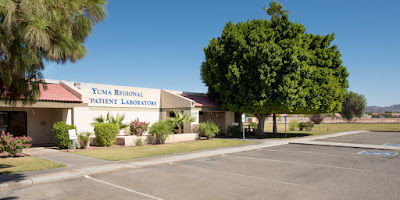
column 106, row 133
column 317, row 118
column 110, row 119
column 83, row 139
column 254, row 125
column 13, row 145
column 234, row 131
column 161, row 130
column 196, row 128
column 208, row 129
column 138, row 128
column 306, row 125
column 61, row 131
column 138, row 142
column 293, row 124
column 180, row 119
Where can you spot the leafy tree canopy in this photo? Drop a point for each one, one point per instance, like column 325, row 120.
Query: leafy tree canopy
column 264, row 67
column 353, row 106
column 35, row 31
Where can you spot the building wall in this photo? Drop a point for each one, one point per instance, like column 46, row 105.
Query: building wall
column 85, row 116
column 40, row 123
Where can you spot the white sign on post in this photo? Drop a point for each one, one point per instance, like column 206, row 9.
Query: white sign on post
column 243, row 121
column 72, row 134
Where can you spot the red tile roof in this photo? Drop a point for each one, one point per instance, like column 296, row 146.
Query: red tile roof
column 201, row 101
column 56, row 92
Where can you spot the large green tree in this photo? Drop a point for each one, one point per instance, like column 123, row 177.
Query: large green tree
column 267, row 67
column 33, row 32
column 353, row 106
column 275, row 9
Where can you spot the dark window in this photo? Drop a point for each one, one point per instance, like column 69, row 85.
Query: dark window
column 200, row 113
column 13, row 122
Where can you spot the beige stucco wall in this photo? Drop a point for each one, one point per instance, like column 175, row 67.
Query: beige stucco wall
column 229, row 119
column 170, row 100
column 83, row 117
column 146, row 139
column 40, row 122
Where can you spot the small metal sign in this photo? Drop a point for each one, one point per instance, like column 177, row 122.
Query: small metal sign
column 378, row 153
column 243, row 118
column 72, row 134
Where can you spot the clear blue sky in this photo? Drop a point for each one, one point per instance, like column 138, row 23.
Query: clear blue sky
column 159, row 44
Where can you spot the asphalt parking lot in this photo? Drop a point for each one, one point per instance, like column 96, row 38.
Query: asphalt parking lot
column 282, row 172
column 376, row 138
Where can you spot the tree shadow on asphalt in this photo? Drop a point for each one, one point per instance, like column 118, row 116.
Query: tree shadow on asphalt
column 7, row 176
column 9, row 198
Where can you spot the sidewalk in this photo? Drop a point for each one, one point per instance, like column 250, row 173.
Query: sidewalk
column 79, row 166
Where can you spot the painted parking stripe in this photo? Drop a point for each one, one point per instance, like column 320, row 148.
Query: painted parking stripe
column 126, row 189
column 305, row 152
column 247, row 176
column 301, row 163
column 377, row 153
column 393, row 145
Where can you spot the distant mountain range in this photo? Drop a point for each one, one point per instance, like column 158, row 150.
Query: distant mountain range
column 378, row 109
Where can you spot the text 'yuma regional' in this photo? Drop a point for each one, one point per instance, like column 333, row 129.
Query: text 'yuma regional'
column 117, row 92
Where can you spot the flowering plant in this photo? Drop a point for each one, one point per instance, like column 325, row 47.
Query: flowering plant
column 13, row 145
column 138, row 128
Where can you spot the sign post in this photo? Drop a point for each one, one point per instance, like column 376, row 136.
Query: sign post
column 72, row 136
column 243, row 121
column 285, row 127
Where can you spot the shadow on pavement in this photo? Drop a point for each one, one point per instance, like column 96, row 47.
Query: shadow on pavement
column 6, row 176
column 9, row 198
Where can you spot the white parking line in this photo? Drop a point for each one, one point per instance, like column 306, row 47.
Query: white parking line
column 247, row 176
column 117, row 186
column 306, row 152
column 301, row 163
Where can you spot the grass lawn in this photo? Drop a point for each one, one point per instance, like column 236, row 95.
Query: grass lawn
column 328, row 128
column 126, row 153
column 24, row 164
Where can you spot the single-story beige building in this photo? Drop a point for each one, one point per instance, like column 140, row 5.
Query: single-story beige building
column 79, row 103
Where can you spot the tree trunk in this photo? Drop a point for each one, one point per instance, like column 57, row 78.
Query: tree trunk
column 275, row 129
column 261, row 121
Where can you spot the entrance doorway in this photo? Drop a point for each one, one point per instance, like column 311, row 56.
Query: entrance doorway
column 13, row 122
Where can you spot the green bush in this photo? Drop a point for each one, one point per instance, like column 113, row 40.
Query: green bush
column 61, row 131
column 161, row 130
column 208, row 129
column 254, row 125
column 234, row 131
column 306, row 125
column 293, row 124
column 84, row 139
column 138, row 142
column 106, row 133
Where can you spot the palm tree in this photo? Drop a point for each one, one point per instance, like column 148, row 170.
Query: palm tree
column 275, row 9
column 117, row 120
column 34, row 33
column 110, row 119
column 180, row 119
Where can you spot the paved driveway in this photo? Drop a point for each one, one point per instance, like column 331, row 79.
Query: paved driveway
column 283, row 172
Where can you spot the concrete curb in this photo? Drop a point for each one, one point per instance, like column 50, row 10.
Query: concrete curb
column 12, row 181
